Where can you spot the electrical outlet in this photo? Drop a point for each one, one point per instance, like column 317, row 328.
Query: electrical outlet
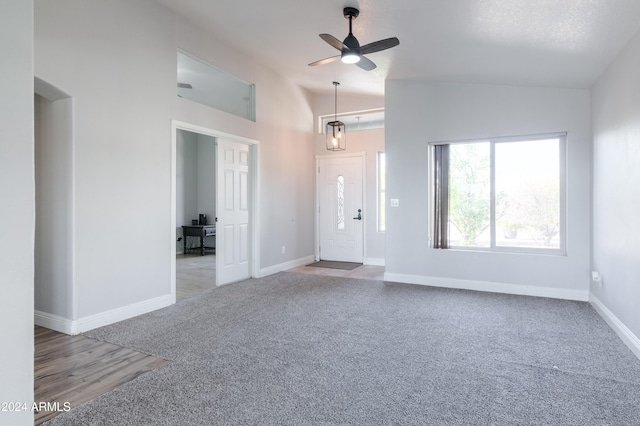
column 596, row 277
column 284, row 249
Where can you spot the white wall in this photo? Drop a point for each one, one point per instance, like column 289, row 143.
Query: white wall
column 186, row 181
column 17, row 213
column 616, row 181
column 283, row 126
column 123, row 82
column 368, row 141
column 418, row 112
column 207, row 177
column 54, row 209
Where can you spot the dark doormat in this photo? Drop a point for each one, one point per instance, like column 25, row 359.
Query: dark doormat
column 335, row 265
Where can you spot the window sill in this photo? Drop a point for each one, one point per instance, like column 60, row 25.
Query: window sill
column 487, row 250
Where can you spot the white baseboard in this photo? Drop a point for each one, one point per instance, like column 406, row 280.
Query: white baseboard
column 270, row 270
column 523, row 290
column 53, row 322
column 72, row 327
column 626, row 335
column 374, row 261
column 122, row 313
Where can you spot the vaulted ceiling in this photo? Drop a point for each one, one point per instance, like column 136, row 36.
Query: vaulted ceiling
column 558, row 43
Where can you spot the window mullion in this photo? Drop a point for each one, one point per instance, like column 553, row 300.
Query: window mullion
column 492, row 194
column 562, row 167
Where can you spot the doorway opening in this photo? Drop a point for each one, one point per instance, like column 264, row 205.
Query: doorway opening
column 54, row 233
column 219, row 198
column 195, row 213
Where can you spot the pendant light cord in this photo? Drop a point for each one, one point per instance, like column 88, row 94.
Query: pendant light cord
column 335, row 111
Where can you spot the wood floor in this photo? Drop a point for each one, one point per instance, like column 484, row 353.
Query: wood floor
column 77, row 369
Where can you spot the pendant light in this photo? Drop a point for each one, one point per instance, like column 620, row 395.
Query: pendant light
column 335, row 130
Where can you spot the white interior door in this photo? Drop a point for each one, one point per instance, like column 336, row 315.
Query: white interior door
column 232, row 228
column 341, row 209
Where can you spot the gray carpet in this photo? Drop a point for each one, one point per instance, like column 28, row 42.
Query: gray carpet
column 297, row 349
column 347, row 266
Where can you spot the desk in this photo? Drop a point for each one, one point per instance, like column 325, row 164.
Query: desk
column 200, row 231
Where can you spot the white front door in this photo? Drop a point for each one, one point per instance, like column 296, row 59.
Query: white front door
column 341, row 208
column 232, row 205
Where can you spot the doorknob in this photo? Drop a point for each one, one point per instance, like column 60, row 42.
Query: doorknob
column 359, row 215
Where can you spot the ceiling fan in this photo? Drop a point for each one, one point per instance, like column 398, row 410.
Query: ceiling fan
column 352, row 52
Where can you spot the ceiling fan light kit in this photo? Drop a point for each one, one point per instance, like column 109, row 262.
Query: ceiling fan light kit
column 350, row 57
column 350, row 50
column 335, row 131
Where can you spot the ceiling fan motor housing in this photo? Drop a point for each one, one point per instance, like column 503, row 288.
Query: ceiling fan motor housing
column 351, row 42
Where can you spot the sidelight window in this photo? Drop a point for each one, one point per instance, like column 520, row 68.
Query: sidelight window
column 382, row 191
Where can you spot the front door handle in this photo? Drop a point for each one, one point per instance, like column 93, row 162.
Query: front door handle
column 359, row 215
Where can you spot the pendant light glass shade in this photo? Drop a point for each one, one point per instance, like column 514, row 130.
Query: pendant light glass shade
column 335, row 131
column 336, row 136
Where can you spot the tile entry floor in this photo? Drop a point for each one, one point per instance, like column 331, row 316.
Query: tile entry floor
column 367, row 272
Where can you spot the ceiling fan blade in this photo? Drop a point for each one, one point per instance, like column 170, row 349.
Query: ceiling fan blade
column 325, row 61
column 332, row 41
column 366, row 64
column 379, row 45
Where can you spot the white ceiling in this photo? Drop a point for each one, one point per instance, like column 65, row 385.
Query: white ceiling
column 560, row 43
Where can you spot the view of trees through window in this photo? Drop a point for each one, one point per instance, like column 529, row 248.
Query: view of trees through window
column 525, row 208
column 469, row 194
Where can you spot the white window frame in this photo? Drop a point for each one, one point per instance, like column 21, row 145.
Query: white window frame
column 216, row 77
column 562, row 250
column 355, row 120
column 380, row 204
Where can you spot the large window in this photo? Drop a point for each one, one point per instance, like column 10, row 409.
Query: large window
column 503, row 194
